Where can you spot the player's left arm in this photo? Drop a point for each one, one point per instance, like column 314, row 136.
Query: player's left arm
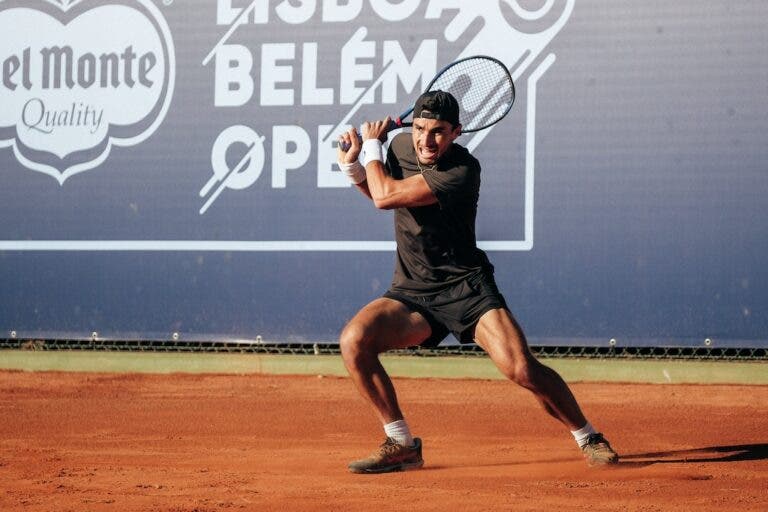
column 348, row 160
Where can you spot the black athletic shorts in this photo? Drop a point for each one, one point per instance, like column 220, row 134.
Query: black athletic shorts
column 456, row 309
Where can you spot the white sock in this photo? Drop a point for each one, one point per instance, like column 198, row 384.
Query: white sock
column 399, row 431
column 583, row 434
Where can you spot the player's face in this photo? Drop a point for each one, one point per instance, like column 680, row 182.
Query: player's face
column 432, row 138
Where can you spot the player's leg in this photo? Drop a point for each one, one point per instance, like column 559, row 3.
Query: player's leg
column 383, row 325
column 501, row 337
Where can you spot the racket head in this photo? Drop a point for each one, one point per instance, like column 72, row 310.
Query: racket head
column 483, row 87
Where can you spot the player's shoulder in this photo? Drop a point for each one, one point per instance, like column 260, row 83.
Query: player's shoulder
column 402, row 140
column 460, row 156
column 401, row 146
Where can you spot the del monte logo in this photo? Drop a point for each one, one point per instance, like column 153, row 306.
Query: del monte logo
column 77, row 77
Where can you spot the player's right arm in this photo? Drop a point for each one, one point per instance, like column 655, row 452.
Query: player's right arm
column 387, row 192
column 371, row 178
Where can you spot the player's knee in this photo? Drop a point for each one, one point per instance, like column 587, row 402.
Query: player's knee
column 349, row 338
column 523, row 373
column 352, row 342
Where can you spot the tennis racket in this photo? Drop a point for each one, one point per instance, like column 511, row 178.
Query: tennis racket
column 481, row 85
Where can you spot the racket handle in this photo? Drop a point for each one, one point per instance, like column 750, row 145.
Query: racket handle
column 394, row 124
column 345, row 146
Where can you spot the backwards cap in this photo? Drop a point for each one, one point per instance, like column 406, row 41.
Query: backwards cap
column 438, row 105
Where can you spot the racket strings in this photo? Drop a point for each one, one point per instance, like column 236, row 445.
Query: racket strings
column 482, row 87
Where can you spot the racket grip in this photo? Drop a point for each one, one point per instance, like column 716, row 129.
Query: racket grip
column 394, row 124
column 345, row 146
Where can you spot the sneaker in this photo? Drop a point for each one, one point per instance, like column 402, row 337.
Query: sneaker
column 390, row 457
column 598, row 452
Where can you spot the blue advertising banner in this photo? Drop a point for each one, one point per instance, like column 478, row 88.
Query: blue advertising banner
column 168, row 167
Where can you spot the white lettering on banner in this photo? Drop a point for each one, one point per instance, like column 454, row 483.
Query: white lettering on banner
column 375, row 70
column 257, row 11
column 413, row 74
column 234, row 86
column 296, row 15
column 397, row 11
column 283, row 159
column 245, row 172
column 273, row 73
column 36, row 116
column 354, row 67
column 328, row 175
column 291, row 149
column 311, row 94
column 234, row 71
column 79, row 77
column 341, row 12
column 332, row 11
column 61, row 69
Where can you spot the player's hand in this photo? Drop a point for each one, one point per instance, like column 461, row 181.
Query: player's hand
column 377, row 129
column 351, row 141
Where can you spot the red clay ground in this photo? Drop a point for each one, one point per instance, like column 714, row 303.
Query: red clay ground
column 81, row 442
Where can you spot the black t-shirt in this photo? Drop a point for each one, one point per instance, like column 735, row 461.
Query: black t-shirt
column 436, row 244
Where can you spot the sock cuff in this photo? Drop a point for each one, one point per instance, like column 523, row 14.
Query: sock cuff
column 399, row 431
column 583, row 433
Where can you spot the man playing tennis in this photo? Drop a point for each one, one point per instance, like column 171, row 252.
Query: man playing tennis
column 442, row 282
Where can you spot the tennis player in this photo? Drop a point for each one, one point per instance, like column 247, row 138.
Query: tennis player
column 442, row 282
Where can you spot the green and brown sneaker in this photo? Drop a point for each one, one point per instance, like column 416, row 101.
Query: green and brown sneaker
column 390, row 457
column 598, row 452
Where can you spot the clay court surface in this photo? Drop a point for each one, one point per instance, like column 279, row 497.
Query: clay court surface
column 117, row 442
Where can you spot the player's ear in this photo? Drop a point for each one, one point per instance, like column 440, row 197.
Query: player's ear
column 457, row 130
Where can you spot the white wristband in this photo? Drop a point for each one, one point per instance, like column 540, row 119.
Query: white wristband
column 354, row 171
column 372, row 151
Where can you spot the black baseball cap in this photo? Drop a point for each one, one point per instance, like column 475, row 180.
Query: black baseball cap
column 438, row 105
